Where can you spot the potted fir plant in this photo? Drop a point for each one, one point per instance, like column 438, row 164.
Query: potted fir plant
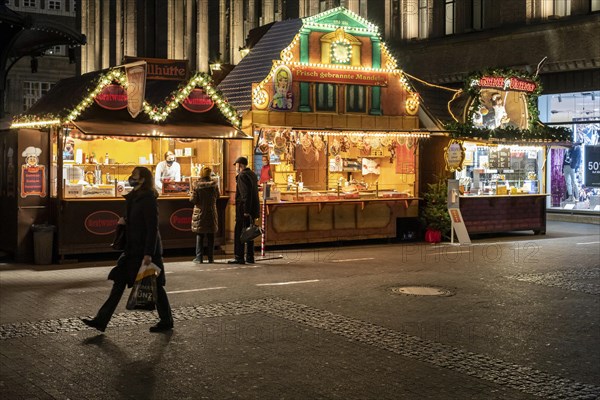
column 434, row 213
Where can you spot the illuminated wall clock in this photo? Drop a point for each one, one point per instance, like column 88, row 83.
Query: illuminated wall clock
column 341, row 51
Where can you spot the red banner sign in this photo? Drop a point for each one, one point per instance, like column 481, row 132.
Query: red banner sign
column 306, row 73
column 499, row 82
column 198, row 102
column 112, row 97
column 101, row 222
column 182, row 219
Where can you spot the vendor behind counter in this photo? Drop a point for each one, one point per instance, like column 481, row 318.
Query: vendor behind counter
column 167, row 170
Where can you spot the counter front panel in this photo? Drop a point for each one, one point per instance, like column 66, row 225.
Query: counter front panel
column 308, row 222
column 487, row 214
column 88, row 226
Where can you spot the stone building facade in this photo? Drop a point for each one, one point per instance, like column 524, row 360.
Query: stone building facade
column 30, row 78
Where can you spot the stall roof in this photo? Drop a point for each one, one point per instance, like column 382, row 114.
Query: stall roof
column 237, row 85
column 69, row 94
column 124, row 128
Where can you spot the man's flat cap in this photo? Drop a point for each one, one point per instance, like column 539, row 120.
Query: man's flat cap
column 241, row 160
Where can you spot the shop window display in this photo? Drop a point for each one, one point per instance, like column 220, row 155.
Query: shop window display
column 574, row 172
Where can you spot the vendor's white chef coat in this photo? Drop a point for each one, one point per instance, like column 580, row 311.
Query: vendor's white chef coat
column 166, row 172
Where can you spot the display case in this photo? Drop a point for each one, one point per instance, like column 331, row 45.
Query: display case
column 99, row 167
column 501, row 170
column 501, row 188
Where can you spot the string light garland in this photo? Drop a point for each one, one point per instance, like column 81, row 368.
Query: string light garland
column 286, row 54
column 199, row 80
column 386, row 134
column 260, row 96
column 313, row 22
column 156, row 113
column 258, row 92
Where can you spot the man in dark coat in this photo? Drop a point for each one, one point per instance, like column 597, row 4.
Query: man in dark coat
column 247, row 209
column 143, row 246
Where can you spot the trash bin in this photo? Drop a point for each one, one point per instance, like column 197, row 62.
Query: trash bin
column 43, row 240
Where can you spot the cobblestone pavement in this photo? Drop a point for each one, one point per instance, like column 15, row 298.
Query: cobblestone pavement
column 523, row 323
column 499, row 372
column 574, row 279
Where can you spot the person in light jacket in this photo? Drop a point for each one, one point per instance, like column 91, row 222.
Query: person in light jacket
column 204, row 195
column 143, row 246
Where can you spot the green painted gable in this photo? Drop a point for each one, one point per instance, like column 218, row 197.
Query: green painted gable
column 340, row 17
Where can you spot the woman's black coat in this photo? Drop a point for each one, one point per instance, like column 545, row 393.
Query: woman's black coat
column 143, row 237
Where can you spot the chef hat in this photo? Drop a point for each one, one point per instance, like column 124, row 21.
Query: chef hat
column 32, row 151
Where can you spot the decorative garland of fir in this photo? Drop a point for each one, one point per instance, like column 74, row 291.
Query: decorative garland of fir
column 473, row 90
column 202, row 80
column 537, row 132
column 157, row 113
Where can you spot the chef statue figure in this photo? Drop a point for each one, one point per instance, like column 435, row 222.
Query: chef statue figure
column 168, row 170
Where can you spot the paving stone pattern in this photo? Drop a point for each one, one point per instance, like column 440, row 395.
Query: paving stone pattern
column 496, row 371
column 574, row 279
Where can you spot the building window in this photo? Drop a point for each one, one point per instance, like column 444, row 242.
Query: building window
column 595, row 6
column 362, row 8
column 326, row 97
column 30, row 3
column 56, row 51
column 33, row 91
column 356, row 98
column 423, row 15
column 555, row 8
column 478, row 13
column 450, row 13
column 55, row 5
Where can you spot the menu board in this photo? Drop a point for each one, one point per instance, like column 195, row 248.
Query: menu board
column 504, row 158
column 517, row 160
column 33, row 181
column 494, row 159
column 530, row 164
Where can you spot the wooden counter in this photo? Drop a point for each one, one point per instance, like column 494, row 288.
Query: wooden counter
column 88, row 225
column 504, row 213
column 332, row 220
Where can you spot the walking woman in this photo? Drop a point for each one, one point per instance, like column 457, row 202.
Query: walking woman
column 143, row 245
column 204, row 218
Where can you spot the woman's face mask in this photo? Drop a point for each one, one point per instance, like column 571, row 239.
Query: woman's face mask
column 133, row 182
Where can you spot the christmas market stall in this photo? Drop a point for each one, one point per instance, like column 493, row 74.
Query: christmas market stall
column 496, row 147
column 335, row 130
column 76, row 147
